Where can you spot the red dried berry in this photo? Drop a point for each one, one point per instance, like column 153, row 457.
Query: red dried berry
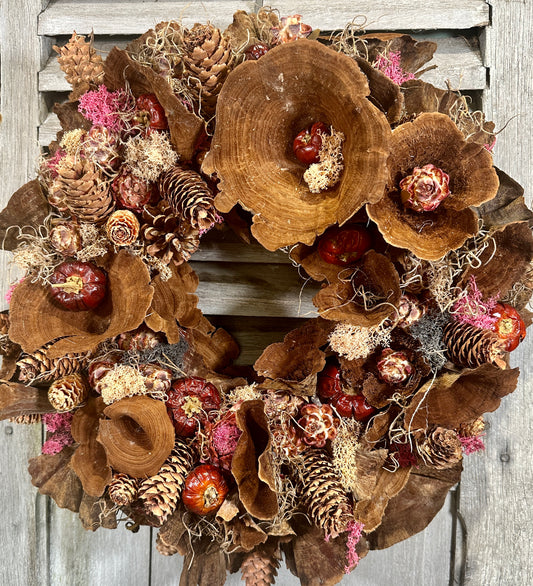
column 78, row 286
column 509, row 326
column 306, row 145
column 189, row 402
column 150, row 104
column 329, row 382
column 344, row 246
column 254, row 52
column 205, row 490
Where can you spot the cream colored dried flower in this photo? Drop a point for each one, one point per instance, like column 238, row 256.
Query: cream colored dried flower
column 120, row 382
column 149, row 156
column 327, row 172
column 355, row 342
column 345, row 452
column 72, row 141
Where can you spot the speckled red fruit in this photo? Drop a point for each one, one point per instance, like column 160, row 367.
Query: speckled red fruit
column 189, row 402
column 509, row 326
column 205, row 490
column 254, row 52
column 344, row 246
column 78, row 286
column 149, row 103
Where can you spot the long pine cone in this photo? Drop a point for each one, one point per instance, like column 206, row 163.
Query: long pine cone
column 208, row 60
column 470, row 346
column 37, row 366
column 189, row 197
column 80, row 187
column 160, row 494
column 259, row 568
column 166, row 238
column 327, row 503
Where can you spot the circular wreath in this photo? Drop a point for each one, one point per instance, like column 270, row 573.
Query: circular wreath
column 347, row 435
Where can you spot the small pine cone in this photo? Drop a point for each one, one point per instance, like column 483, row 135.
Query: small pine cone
column 208, row 59
column 157, row 380
column 280, row 404
column 131, row 192
column 65, row 237
column 160, row 494
column 122, row 228
column 123, row 489
column 81, row 188
column 140, row 339
column 38, row 367
column 259, row 568
column 470, row 346
column 68, row 392
column 100, row 145
column 27, row 419
column 473, row 428
column 166, row 238
column 441, row 448
column 189, row 197
column 327, row 502
column 165, row 548
column 410, row 310
column 80, row 63
column 318, row 424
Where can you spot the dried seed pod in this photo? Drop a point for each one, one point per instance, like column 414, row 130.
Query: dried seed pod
column 122, row 228
column 138, row 340
column 157, row 380
column 68, row 392
column 441, row 449
column 318, row 425
column 130, row 191
column 65, row 238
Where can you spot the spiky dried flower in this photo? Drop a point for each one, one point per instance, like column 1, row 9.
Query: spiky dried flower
column 149, row 156
column 108, row 109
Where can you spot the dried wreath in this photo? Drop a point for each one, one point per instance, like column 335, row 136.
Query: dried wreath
column 348, row 434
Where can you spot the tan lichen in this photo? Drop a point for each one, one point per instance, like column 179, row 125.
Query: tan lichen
column 150, row 156
column 72, row 141
column 353, row 342
column 327, row 172
column 93, row 242
column 121, row 382
column 345, row 452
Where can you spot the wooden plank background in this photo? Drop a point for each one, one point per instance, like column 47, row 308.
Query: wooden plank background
column 42, row 544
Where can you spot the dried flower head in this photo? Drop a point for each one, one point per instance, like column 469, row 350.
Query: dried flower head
column 394, row 367
column 149, row 156
column 355, row 342
column 425, row 188
column 317, row 424
column 122, row 228
column 120, row 382
column 327, row 172
column 72, row 140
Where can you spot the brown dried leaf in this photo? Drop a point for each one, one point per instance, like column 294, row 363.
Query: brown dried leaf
column 246, row 533
column 507, row 207
column 205, row 565
column 389, row 484
column 380, row 425
column 185, row 127
column 215, row 346
column 293, row 364
column 309, row 259
column 248, row 29
column 97, row 512
column 54, row 477
column 70, row 118
column 456, row 398
column 17, row 399
column 509, row 258
column 369, row 463
column 251, row 465
column 173, row 532
column 376, row 274
column 90, row 460
column 273, row 97
column 415, row 506
column 24, row 213
column 36, row 320
column 138, row 437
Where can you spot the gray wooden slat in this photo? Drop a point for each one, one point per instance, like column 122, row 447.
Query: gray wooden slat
column 496, row 491
column 457, row 60
column 64, row 16
column 112, row 557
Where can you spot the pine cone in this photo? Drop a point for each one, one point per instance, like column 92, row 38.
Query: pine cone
column 259, row 568
column 160, row 493
column 473, row 428
column 37, row 366
column 441, row 449
column 122, row 228
column 470, row 346
column 68, row 392
column 327, row 503
column 166, row 239
column 318, row 424
column 123, row 489
column 27, row 419
column 208, row 59
column 130, row 191
column 286, row 441
column 80, row 188
column 81, row 64
column 65, row 237
column 189, row 197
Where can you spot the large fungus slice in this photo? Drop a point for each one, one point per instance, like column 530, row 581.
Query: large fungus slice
column 89, row 460
column 251, row 465
column 263, row 105
column 138, row 436
column 434, row 139
column 36, row 320
column 17, row 399
column 366, row 297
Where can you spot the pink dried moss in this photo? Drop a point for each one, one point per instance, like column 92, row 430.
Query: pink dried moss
column 225, row 438
column 473, row 310
column 58, row 428
column 105, row 108
column 472, row 444
column 355, row 530
column 390, row 66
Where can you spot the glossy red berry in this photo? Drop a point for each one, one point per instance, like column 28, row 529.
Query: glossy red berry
column 254, row 52
column 329, row 382
column 78, row 286
column 150, row 104
column 344, row 246
column 189, row 402
column 306, row 145
column 205, row 490
column 509, row 326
